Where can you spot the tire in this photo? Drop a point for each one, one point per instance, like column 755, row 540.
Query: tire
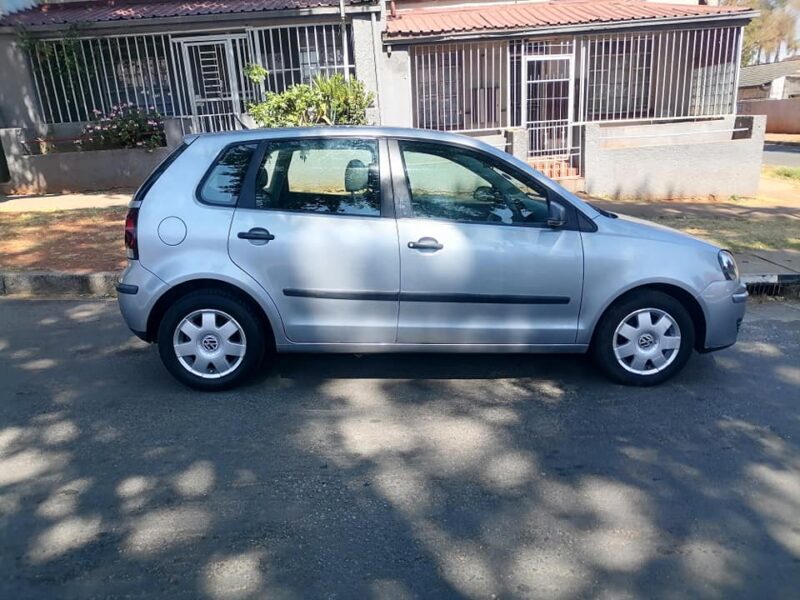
column 644, row 339
column 210, row 340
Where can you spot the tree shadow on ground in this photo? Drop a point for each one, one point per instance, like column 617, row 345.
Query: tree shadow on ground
column 391, row 476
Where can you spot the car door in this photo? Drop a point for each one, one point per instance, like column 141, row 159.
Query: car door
column 479, row 263
column 317, row 230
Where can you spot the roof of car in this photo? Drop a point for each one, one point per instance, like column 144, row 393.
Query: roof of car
column 340, row 131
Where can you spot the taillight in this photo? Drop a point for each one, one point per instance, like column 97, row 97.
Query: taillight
column 131, row 243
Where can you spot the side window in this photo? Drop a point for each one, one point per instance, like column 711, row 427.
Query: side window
column 338, row 176
column 451, row 183
column 224, row 180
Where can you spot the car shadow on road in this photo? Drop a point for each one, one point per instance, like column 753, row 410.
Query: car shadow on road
column 391, row 476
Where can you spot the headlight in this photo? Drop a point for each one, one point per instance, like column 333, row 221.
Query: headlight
column 728, row 265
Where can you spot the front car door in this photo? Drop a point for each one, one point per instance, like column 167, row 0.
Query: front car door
column 478, row 262
column 317, row 230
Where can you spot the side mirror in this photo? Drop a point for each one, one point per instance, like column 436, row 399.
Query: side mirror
column 557, row 215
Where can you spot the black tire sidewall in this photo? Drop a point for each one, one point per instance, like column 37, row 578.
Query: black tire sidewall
column 603, row 342
column 219, row 300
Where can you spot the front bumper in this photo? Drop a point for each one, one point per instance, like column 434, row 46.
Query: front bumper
column 138, row 289
column 725, row 303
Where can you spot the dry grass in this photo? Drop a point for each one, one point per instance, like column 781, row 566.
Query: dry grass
column 77, row 241
column 739, row 234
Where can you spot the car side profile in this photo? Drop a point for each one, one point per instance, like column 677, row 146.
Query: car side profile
column 362, row 239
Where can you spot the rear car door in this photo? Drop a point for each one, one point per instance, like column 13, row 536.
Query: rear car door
column 478, row 262
column 317, row 230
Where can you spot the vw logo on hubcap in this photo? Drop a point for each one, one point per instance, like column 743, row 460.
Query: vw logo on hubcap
column 646, row 341
column 210, row 343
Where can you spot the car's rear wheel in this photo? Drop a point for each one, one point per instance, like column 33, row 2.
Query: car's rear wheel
column 210, row 340
column 644, row 339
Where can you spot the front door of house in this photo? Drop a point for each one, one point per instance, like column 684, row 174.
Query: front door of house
column 214, row 96
column 548, row 106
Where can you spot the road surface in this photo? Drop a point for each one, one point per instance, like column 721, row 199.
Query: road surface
column 393, row 476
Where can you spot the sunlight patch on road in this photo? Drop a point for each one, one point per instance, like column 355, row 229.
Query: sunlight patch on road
column 64, row 500
column 789, row 374
column 60, row 433
column 164, row 529
column 30, row 464
column 234, row 577
column 777, row 500
column 40, row 364
column 710, row 563
column 65, row 536
column 197, row 480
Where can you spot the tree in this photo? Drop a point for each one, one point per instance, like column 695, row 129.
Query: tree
column 774, row 29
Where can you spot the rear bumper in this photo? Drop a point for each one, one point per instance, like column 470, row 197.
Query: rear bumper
column 138, row 290
column 725, row 306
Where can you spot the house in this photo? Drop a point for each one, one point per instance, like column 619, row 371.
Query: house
column 582, row 89
column 772, row 90
column 771, row 81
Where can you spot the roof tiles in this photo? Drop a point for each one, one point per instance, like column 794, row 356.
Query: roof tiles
column 493, row 17
column 123, row 10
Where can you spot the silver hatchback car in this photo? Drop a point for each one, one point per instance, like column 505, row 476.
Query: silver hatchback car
column 396, row 240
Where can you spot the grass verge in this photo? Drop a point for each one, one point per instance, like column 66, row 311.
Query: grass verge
column 738, row 234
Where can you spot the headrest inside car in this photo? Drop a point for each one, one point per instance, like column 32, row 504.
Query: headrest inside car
column 356, row 176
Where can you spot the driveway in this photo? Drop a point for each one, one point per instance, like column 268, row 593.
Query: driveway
column 782, row 155
column 393, row 476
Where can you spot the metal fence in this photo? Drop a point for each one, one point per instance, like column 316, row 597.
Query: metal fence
column 552, row 87
column 199, row 76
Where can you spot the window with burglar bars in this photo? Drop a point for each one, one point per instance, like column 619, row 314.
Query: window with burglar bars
column 460, row 87
column 76, row 77
column 664, row 75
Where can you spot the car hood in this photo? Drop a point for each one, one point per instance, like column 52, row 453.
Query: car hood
column 627, row 226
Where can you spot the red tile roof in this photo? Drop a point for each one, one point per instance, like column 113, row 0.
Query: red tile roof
column 416, row 22
column 123, row 10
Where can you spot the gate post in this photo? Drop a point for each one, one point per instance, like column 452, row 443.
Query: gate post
column 517, row 142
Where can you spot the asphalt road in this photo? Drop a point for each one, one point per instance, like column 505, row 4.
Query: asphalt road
column 782, row 155
column 393, row 477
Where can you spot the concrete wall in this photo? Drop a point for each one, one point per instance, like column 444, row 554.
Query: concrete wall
column 18, row 103
column 79, row 171
column 366, row 44
column 674, row 160
column 783, row 116
column 396, row 100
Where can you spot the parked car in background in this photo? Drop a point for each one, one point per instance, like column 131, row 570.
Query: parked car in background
column 398, row 240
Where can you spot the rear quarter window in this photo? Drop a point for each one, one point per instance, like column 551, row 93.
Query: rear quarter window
column 222, row 184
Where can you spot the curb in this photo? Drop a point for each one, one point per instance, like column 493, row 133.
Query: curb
column 53, row 283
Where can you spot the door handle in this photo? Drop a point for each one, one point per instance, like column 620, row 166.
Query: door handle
column 426, row 243
column 256, row 234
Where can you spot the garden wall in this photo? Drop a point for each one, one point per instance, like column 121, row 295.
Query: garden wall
column 672, row 160
column 783, row 116
column 85, row 171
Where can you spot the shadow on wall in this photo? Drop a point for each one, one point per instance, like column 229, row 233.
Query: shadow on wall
column 396, row 477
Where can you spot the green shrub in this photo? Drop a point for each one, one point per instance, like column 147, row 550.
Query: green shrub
column 126, row 126
column 792, row 173
column 327, row 101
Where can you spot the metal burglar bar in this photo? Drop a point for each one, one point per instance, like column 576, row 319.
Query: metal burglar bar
column 198, row 76
column 553, row 87
column 664, row 75
column 74, row 78
column 461, row 87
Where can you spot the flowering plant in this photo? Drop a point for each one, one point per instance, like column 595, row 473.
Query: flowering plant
column 126, row 126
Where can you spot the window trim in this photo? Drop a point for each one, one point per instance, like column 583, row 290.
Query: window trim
column 402, row 189
column 198, row 192
column 247, row 198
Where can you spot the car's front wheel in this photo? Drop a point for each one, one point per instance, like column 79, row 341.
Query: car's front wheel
column 210, row 340
column 644, row 339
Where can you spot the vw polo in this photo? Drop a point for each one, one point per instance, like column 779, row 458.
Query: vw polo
column 365, row 240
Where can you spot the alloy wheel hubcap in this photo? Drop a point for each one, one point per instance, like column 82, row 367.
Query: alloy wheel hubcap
column 647, row 341
column 209, row 343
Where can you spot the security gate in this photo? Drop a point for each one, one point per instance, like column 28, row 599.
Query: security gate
column 548, row 104
column 211, row 71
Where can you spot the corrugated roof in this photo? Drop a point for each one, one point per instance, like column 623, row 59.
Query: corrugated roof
column 498, row 17
column 764, row 74
column 123, row 10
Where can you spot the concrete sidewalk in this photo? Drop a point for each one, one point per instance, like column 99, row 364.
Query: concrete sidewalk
column 55, row 202
column 769, row 266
